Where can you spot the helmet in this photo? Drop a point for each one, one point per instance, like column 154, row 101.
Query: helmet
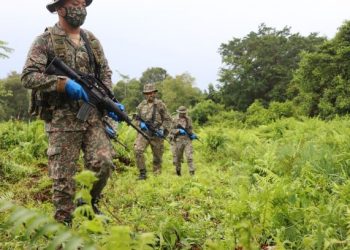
column 52, row 6
column 182, row 110
column 149, row 88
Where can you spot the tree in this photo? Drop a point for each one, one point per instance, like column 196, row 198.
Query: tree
column 153, row 75
column 15, row 103
column 4, row 50
column 260, row 66
column 322, row 81
column 213, row 94
column 129, row 92
column 179, row 91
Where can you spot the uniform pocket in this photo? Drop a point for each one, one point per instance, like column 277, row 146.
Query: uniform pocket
column 51, row 151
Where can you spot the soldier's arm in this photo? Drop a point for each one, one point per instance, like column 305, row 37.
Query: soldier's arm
column 166, row 119
column 174, row 130
column 190, row 128
column 33, row 76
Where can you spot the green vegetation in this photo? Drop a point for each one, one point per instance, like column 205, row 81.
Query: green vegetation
column 272, row 171
column 285, row 183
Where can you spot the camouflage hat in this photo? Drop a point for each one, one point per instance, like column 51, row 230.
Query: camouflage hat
column 149, row 88
column 182, row 110
column 52, row 6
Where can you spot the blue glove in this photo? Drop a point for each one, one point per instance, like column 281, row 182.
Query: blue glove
column 182, row 131
column 143, row 126
column 120, row 106
column 113, row 115
column 75, row 91
column 160, row 133
column 110, row 132
column 193, row 136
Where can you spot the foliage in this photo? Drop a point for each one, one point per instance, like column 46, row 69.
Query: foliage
column 179, row 91
column 129, row 92
column 4, row 50
column 322, row 79
column 283, row 184
column 153, row 75
column 203, row 110
column 260, row 66
column 16, row 104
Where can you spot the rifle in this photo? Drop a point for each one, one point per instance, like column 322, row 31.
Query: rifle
column 151, row 127
column 100, row 96
column 188, row 134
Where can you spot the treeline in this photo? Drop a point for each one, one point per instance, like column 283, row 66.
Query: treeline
column 301, row 75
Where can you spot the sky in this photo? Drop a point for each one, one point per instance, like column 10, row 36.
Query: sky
column 181, row 36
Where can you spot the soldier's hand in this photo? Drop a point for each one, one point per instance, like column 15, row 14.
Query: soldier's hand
column 114, row 116
column 110, row 132
column 182, row 131
column 143, row 126
column 160, row 133
column 193, row 136
column 75, row 91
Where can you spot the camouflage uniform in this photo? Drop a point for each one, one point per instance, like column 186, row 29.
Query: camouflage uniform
column 68, row 135
column 181, row 144
column 161, row 120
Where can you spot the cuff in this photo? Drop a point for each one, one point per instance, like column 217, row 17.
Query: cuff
column 61, row 84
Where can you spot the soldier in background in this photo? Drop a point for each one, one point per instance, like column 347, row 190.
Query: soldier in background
column 153, row 118
column 57, row 99
column 181, row 140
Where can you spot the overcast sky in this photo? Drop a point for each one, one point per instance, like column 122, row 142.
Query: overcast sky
column 177, row 35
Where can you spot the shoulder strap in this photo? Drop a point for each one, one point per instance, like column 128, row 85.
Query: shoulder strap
column 154, row 113
column 92, row 59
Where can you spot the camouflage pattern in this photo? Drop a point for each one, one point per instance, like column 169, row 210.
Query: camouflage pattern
column 162, row 121
column 181, row 144
column 68, row 135
column 149, row 87
column 52, row 6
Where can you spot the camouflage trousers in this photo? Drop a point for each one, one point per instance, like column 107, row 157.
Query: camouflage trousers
column 63, row 153
column 157, row 147
column 180, row 146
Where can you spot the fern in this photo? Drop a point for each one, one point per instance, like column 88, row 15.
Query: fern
column 35, row 227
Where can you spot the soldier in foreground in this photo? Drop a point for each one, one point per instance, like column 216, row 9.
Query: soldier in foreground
column 153, row 118
column 181, row 140
column 57, row 99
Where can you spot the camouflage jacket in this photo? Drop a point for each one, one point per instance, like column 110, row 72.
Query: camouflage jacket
column 63, row 110
column 185, row 122
column 162, row 119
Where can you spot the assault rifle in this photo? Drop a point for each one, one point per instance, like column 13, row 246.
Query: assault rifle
column 189, row 134
column 100, row 96
column 151, row 127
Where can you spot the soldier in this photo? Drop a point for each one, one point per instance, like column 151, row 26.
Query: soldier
column 57, row 99
column 181, row 140
column 153, row 118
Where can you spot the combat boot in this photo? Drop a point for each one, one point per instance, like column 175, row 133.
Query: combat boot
column 94, row 204
column 142, row 175
column 178, row 172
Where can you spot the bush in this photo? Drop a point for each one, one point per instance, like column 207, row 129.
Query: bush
column 203, row 110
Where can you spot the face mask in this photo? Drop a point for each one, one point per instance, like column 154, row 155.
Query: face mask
column 75, row 16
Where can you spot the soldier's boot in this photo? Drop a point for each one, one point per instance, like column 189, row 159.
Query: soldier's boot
column 142, row 175
column 94, row 204
column 178, row 171
column 192, row 172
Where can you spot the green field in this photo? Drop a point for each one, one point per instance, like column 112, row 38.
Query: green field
column 285, row 184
